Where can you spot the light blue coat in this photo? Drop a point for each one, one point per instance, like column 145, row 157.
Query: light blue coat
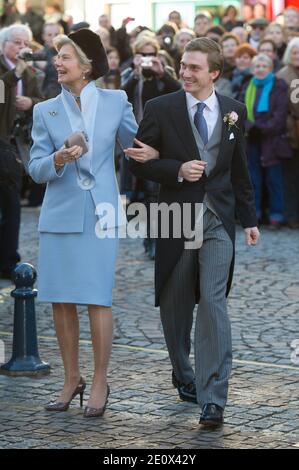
column 64, row 202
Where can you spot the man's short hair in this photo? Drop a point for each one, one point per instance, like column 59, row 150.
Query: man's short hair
column 174, row 12
column 8, row 33
column 211, row 48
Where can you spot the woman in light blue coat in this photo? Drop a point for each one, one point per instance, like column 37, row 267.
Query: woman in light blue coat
column 78, row 241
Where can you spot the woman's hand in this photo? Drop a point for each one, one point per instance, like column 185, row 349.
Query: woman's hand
column 142, row 154
column 67, row 155
column 137, row 64
column 157, row 66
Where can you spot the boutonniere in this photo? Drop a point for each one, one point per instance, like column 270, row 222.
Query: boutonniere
column 231, row 119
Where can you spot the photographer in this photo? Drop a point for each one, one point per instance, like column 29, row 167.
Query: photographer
column 146, row 80
column 21, row 94
column 165, row 36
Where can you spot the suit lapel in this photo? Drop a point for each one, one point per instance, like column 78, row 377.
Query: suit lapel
column 181, row 122
column 225, row 107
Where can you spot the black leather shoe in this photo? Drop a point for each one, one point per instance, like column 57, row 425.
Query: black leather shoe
column 187, row 392
column 211, row 415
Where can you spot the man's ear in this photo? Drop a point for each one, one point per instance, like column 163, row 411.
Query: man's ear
column 215, row 75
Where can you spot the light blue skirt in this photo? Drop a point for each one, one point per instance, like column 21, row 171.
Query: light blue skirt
column 77, row 268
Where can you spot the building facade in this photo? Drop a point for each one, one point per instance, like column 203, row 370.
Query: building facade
column 146, row 12
column 152, row 13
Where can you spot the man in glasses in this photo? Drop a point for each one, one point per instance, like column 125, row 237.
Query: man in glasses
column 258, row 30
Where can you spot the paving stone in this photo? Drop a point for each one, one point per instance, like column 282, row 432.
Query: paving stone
column 144, row 410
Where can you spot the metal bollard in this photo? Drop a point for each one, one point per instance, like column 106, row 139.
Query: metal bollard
column 25, row 360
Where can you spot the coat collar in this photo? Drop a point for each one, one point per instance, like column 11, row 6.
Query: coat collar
column 83, row 120
column 3, row 62
column 211, row 102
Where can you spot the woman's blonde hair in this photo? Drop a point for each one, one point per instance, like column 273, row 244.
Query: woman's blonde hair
column 62, row 40
column 145, row 40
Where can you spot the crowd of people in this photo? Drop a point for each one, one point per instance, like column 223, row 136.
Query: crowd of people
column 261, row 64
column 223, row 122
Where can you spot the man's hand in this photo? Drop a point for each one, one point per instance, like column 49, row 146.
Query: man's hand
column 20, row 68
column 252, row 235
column 22, row 64
column 23, row 103
column 142, row 154
column 192, row 171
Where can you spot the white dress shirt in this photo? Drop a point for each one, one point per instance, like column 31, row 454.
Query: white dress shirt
column 210, row 112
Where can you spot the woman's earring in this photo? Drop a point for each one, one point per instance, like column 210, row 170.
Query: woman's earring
column 84, row 77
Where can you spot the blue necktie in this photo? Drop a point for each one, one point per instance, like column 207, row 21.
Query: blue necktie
column 201, row 123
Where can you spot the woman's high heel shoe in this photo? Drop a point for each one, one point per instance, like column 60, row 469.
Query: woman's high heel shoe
column 95, row 412
column 63, row 406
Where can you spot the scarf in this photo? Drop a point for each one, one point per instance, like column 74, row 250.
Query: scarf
column 238, row 76
column 83, row 120
column 266, row 85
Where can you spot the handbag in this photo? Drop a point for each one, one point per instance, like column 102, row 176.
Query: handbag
column 77, row 138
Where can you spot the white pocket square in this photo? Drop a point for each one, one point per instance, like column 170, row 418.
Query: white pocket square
column 231, row 136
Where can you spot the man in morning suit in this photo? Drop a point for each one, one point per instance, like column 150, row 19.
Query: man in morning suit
column 200, row 139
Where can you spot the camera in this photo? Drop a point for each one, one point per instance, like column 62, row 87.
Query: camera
column 34, row 57
column 146, row 61
column 167, row 42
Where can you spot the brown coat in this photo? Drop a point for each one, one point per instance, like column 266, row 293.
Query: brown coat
column 288, row 74
column 8, row 108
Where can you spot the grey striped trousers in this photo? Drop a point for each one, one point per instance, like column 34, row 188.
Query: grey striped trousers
column 213, row 348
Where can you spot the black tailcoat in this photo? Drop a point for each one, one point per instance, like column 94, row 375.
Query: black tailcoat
column 166, row 127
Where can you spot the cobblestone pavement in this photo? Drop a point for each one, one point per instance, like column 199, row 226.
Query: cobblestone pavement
column 144, row 410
